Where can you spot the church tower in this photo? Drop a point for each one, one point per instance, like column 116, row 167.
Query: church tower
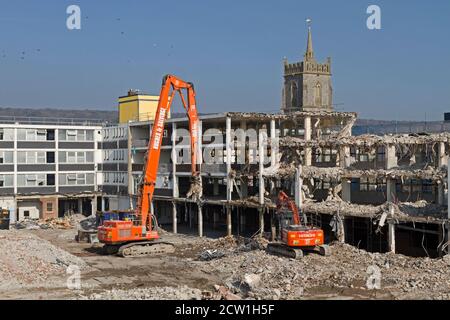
column 307, row 84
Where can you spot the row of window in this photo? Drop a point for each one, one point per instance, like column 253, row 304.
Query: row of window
column 35, row 134
column 114, row 177
column 115, row 155
column 47, row 135
column 75, row 135
column 379, row 184
column 42, row 157
column 78, row 157
column 114, row 133
column 40, row 180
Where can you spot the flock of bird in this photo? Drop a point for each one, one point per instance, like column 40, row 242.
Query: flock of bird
column 23, row 54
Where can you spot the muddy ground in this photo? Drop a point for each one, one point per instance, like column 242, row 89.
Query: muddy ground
column 238, row 268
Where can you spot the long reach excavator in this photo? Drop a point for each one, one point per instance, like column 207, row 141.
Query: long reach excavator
column 139, row 236
column 296, row 236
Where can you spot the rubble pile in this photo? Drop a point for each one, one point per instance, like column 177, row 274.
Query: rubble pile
column 28, row 260
column 258, row 275
column 153, row 293
column 66, row 222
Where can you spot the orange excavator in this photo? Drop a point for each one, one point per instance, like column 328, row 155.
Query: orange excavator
column 296, row 236
column 139, row 236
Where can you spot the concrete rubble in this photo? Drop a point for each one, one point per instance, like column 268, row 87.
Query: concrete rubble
column 29, row 261
column 154, row 293
column 258, row 275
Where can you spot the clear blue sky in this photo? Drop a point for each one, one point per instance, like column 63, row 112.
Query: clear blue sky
column 231, row 50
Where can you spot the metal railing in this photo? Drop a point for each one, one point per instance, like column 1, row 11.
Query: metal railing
column 402, row 127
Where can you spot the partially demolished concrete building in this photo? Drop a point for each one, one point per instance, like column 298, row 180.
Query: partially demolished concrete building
column 380, row 193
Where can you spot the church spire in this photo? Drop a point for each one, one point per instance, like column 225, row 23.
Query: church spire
column 309, row 55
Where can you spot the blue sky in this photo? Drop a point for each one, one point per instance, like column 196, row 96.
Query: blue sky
column 231, row 50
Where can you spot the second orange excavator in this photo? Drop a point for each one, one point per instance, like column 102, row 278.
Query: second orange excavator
column 139, row 236
column 296, row 236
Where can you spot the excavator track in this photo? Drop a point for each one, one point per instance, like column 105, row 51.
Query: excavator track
column 282, row 250
column 140, row 249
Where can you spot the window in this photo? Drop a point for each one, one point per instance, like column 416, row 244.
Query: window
column 51, row 135
column 31, row 157
column 31, row 135
column 372, row 184
column 6, row 180
column 41, row 135
column 71, row 157
column 50, row 157
column 40, row 157
column 71, row 135
column 89, row 135
column 2, row 134
column 81, row 135
column 89, row 157
column 49, row 206
column 81, row 179
column 50, row 179
column 26, row 213
column 80, row 157
column 71, row 179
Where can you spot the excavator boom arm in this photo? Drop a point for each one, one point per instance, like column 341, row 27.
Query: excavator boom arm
column 285, row 201
column 170, row 86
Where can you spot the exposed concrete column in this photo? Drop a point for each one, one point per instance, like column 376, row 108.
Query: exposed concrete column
column 261, row 222
column 390, row 157
column 391, row 231
column 174, row 218
column 244, row 185
column 391, row 237
column 261, row 182
column 341, row 235
column 443, row 158
column 273, row 144
column 298, row 187
column 261, row 168
column 390, row 162
column 175, row 190
column 391, row 191
column 308, row 152
column 94, row 205
column 229, row 149
column 344, row 155
column 229, row 228
column 346, row 190
column 200, row 220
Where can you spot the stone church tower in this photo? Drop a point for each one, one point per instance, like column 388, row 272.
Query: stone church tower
column 307, row 84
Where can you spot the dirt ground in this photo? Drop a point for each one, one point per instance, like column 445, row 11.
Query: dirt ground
column 235, row 268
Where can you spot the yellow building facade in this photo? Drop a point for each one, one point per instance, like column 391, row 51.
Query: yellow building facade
column 137, row 107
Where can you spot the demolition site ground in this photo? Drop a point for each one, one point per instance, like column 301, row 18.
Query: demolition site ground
column 35, row 264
